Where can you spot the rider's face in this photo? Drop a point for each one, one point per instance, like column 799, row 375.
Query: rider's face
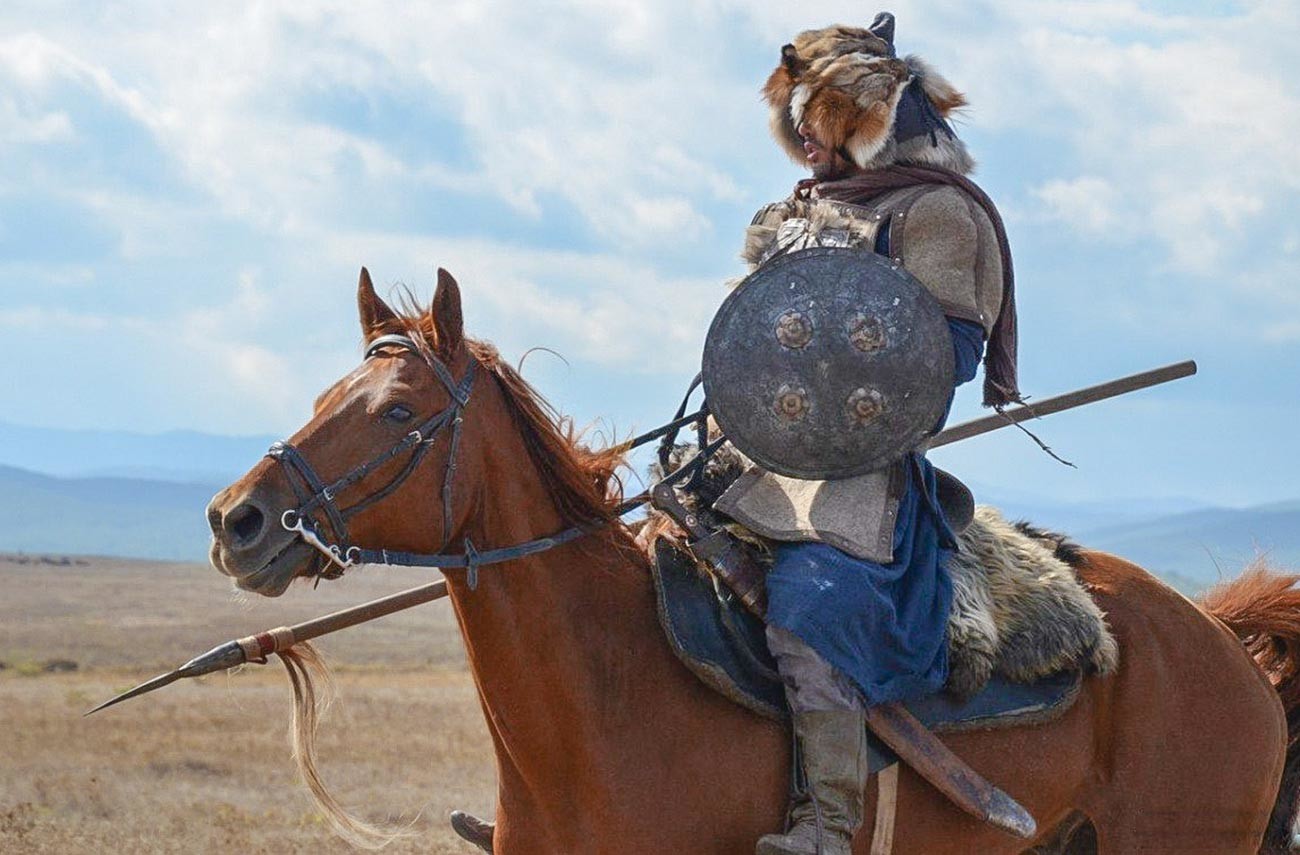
column 825, row 163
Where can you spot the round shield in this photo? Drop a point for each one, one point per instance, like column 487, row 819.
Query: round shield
column 827, row 363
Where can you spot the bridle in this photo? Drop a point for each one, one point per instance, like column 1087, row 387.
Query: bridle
column 313, row 494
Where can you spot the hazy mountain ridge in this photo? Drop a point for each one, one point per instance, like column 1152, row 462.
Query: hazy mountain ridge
column 103, row 516
column 140, row 518
column 143, row 496
column 1074, row 518
column 178, row 455
column 1207, row 546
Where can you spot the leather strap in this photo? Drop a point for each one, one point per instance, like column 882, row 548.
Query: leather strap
column 882, row 836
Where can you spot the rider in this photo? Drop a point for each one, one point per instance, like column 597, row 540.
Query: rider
column 863, row 622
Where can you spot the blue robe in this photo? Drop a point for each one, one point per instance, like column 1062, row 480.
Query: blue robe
column 881, row 625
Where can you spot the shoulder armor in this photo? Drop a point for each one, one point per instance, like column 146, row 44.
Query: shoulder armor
column 944, row 239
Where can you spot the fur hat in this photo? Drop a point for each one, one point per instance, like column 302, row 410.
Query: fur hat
column 861, row 100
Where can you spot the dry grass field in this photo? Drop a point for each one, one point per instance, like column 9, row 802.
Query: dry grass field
column 203, row 765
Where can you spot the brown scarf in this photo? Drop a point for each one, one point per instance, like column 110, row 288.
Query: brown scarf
column 1001, row 386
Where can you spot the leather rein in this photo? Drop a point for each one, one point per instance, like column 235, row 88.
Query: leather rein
column 313, row 494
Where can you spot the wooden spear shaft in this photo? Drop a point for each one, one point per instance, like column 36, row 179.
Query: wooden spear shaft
column 255, row 648
column 381, row 607
column 1068, row 401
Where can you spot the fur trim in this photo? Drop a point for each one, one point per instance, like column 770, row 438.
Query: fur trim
column 758, row 238
column 943, row 95
column 1062, row 547
column 844, row 82
column 1018, row 608
column 1043, row 619
column 821, row 214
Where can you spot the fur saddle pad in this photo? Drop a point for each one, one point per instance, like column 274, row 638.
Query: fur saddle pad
column 1019, row 611
column 724, row 645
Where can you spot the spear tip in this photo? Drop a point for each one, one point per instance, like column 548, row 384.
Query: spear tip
column 147, row 686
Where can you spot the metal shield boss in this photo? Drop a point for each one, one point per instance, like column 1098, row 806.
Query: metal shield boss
column 828, row 363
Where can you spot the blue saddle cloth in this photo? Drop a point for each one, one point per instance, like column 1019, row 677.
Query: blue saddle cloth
column 724, row 645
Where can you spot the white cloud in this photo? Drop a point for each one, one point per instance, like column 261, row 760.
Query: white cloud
column 603, row 308
column 624, row 110
column 1087, row 203
column 1284, row 331
column 1193, row 131
column 17, row 126
column 634, row 123
column 34, row 319
column 39, row 61
column 537, row 101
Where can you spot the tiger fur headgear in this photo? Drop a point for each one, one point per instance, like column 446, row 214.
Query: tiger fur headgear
column 864, row 102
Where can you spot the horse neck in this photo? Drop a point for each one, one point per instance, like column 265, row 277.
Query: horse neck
column 553, row 640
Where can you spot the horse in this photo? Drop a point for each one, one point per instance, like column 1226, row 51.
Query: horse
column 605, row 742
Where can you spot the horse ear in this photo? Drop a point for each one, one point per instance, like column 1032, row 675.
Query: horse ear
column 374, row 312
column 447, row 319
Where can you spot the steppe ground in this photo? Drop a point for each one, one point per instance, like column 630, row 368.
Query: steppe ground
column 203, row 765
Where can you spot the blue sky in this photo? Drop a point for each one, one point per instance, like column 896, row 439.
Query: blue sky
column 188, row 190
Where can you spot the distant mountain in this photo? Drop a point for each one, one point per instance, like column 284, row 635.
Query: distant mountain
column 181, row 456
column 1203, row 547
column 127, row 517
column 140, row 495
column 1074, row 517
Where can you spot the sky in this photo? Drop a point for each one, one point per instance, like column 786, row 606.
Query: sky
column 187, row 192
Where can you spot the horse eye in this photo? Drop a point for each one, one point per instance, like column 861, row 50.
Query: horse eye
column 398, row 414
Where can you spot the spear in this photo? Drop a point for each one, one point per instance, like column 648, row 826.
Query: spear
column 255, row 648
column 1068, row 401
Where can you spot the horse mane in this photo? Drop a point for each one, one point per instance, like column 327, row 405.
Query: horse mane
column 583, row 481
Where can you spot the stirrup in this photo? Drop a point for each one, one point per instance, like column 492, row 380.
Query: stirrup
column 471, row 828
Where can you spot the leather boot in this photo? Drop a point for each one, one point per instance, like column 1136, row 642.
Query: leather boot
column 834, row 746
column 475, row 830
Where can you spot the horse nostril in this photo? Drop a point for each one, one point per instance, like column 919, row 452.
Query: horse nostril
column 245, row 524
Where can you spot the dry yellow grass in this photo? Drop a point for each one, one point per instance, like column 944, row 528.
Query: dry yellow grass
column 203, row 765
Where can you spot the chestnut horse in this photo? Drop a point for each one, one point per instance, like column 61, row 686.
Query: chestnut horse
column 606, row 743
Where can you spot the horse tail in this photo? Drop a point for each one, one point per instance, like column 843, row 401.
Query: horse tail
column 1263, row 609
column 306, row 669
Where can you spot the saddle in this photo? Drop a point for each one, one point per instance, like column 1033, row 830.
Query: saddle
column 724, row 645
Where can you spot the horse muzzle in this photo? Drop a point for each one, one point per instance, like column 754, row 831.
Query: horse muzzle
column 250, row 546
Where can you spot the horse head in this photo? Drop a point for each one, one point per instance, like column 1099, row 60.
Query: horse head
column 367, row 467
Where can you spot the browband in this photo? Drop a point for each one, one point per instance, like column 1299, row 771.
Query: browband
column 392, row 340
